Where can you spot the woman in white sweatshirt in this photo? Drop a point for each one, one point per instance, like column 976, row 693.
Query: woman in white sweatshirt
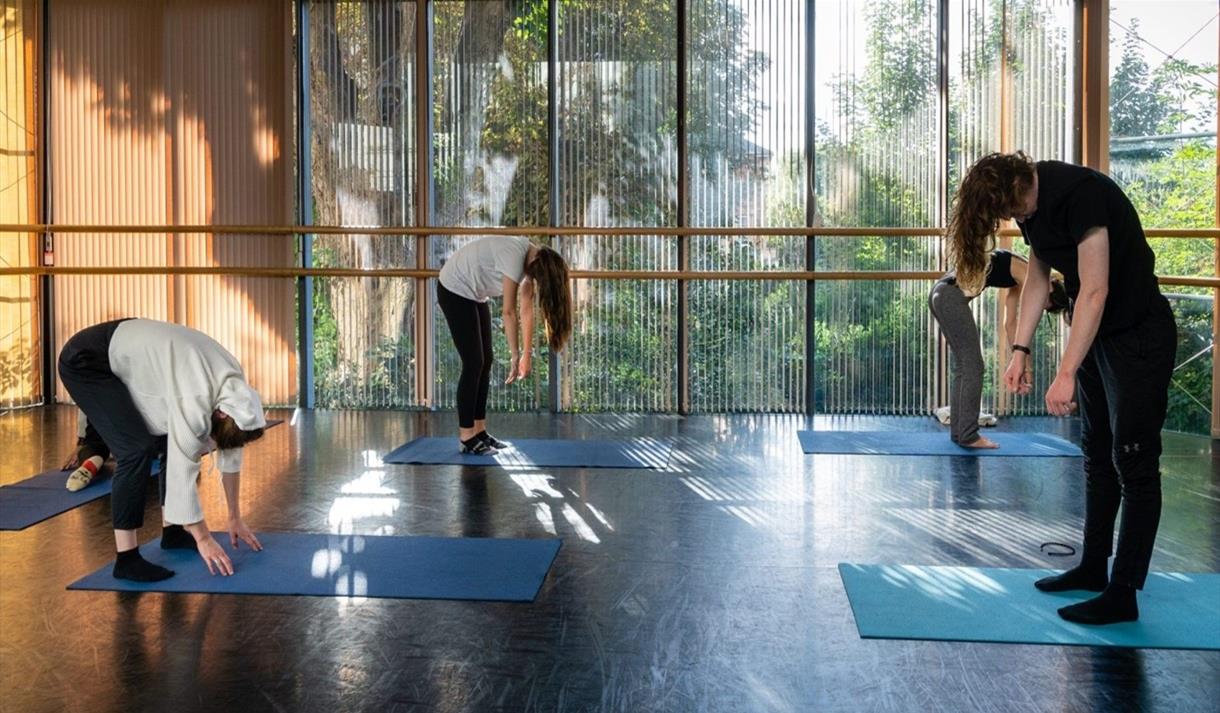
column 149, row 387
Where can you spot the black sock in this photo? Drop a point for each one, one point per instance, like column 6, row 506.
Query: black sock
column 175, row 537
column 490, row 440
column 1115, row 604
column 130, row 565
column 1089, row 575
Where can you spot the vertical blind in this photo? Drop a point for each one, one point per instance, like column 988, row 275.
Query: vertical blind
column 617, row 96
column 746, row 168
column 490, row 157
column 147, row 126
column 182, row 113
column 362, row 124
column 877, row 161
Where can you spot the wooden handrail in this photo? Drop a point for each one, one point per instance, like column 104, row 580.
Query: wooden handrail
column 1196, row 233
column 765, row 275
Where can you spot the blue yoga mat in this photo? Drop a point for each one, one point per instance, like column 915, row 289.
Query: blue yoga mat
column 931, row 443
column 354, row 566
column 1177, row 611
column 43, row 496
column 636, row 453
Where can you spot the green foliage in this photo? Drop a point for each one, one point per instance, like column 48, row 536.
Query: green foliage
column 1172, row 185
column 1175, row 96
column 625, row 131
column 620, row 360
column 1190, row 390
column 529, row 23
column 901, row 66
column 723, row 78
column 1135, row 107
column 1189, row 92
column 515, row 124
column 1178, row 191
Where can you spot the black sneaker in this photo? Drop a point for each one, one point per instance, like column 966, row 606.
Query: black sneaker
column 477, row 447
column 491, row 440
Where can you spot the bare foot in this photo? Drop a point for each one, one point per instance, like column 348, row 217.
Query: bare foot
column 982, row 442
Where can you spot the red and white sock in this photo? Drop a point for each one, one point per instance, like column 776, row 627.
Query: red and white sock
column 83, row 475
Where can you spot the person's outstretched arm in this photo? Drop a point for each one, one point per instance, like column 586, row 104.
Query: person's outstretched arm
column 229, row 462
column 1012, row 308
column 1093, row 261
column 1019, row 269
column 525, row 305
column 518, row 296
column 509, row 316
column 1033, row 296
column 189, row 418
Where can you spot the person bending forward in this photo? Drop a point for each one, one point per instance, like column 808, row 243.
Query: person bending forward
column 1116, row 366
column 149, row 387
column 521, row 272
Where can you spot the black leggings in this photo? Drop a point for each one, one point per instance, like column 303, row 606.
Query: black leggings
column 84, row 367
column 1123, row 391
column 470, row 325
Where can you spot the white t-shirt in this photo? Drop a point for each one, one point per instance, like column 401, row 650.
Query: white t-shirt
column 477, row 270
column 177, row 376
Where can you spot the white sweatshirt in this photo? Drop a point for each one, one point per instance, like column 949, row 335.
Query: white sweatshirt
column 177, row 377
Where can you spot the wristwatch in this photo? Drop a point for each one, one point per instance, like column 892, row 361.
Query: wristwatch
column 1021, row 348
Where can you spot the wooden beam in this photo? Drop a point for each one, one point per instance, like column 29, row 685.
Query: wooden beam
column 1216, row 323
column 1093, row 76
column 270, row 230
column 766, row 275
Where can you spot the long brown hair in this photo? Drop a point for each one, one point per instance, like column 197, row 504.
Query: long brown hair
column 227, row 435
column 991, row 190
column 550, row 273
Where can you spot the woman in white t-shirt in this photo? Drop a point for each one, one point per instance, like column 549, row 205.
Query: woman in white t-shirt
column 491, row 267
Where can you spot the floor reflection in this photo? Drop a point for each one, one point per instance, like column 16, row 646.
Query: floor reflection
column 711, row 584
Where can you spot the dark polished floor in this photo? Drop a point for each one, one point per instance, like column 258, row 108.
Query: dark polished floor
column 708, row 587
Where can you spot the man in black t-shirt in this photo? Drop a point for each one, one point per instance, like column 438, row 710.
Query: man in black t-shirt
column 1071, row 200
column 1117, row 363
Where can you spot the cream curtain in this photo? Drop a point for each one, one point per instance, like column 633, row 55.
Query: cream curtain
column 178, row 113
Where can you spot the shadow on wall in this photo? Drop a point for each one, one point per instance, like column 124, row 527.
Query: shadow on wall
column 16, row 364
column 167, row 112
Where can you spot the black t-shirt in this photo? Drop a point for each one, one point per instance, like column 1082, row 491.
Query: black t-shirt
column 999, row 275
column 1071, row 201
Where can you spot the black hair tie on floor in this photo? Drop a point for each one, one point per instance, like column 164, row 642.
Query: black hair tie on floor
column 1048, row 549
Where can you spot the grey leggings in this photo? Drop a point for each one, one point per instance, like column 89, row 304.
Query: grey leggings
column 952, row 311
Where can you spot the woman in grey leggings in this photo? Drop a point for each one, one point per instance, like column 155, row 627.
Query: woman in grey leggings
column 951, row 307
